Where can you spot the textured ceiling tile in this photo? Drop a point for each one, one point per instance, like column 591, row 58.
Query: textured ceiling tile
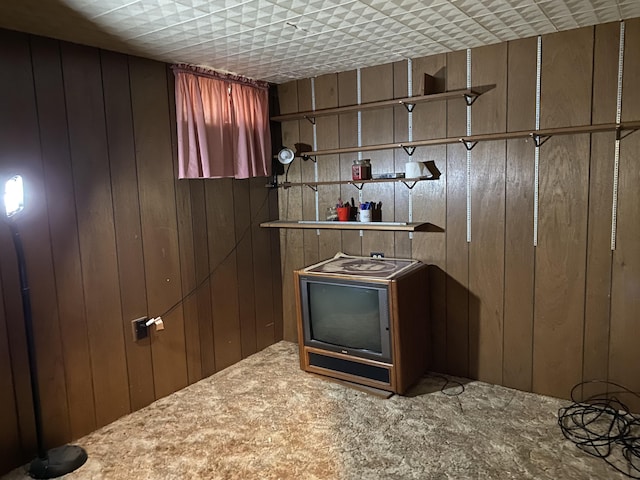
column 284, row 39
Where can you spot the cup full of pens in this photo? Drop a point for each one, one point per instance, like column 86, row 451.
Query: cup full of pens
column 370, row 212
column 344, row 209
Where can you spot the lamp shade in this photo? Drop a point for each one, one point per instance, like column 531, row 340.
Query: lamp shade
column 13, row 196
column 286, row 156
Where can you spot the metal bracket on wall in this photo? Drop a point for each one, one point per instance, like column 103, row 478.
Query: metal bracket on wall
column 540, row 140
column 409, row 150
column 312, row 120
column 469, row 98
column 620, row 133
column 312, row 187
column 410, row 187
column 357, row 185
column 468, row 144
column 409, row 106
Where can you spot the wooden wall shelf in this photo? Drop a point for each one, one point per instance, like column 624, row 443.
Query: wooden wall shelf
column 408, row 182
column 329, row 225
column 539, row 137
column 468, row 94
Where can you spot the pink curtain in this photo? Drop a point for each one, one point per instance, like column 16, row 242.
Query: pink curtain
column 223, row 125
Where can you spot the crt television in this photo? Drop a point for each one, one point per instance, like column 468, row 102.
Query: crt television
column 364, row 320
column 347, row 316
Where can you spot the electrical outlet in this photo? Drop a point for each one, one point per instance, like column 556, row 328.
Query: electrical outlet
column 139, row 328
column 377, row 255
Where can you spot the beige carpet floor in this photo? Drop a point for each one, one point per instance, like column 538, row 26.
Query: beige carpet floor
column 264, row 418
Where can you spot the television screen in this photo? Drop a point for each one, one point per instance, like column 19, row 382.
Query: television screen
column 345, row 316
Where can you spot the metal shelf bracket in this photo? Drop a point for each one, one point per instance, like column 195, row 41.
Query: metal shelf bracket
column 540, row 140
column 469, row 98
column 468, row 144
column 408, row 150
column 409, row 106
column 410, row 187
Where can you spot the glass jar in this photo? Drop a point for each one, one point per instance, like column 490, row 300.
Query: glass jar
column 361, row 170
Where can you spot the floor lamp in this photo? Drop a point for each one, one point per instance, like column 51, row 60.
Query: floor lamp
column 67, row 458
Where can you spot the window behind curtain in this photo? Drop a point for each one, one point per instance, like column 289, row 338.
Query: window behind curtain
column 223, row 125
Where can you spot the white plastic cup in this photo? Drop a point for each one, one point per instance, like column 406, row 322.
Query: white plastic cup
column 365, row 215
column 414, row 169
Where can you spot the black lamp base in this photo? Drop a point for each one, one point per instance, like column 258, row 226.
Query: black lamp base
column 59, row 461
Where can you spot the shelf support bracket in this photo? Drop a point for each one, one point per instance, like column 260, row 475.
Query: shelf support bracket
column 410, row 187
column 357, row 185
column 469, row 98
column 624, row 133
column 409, row 106
column 312, row 120
column 307, row 157
column 312, row 187
column 409, row 150
column 468, row 144
column 540, row 140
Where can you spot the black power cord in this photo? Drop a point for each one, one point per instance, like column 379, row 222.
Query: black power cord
column 220, row 262
column 603, row 426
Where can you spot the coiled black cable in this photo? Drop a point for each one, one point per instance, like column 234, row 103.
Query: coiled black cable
column 603, row 426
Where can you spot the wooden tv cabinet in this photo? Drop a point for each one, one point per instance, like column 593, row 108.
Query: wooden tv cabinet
column 409, row 334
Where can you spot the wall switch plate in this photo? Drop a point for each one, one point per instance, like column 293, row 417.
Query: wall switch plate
column 139, row 328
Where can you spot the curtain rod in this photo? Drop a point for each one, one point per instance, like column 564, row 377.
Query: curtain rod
column 206, row 72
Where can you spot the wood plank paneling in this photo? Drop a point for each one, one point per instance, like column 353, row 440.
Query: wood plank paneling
column 599, row 256
column 486, row 251
column 519, row 255
column 457, row 263
column 187, row 252
column 224, row 276
column 9, row 434
column 106, row 225
column 94, row 206
column 49, row 91
column 203, row 281
column 521, row 91
column 567, row 59
column 624, row 359
column 44, row 305
column 265, row 295
column 328, row 166
column 430, row 204
column 290, row 208
column 377, row 127
column 348, row 137
column 244, row 260
column 401, row 240
column 19, row 140
column 126, row 212
column 156, row 189
column 307, row 173
column 519, row 265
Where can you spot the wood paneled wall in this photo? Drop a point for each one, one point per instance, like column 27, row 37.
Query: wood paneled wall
column 537, row 318
column 111, row 235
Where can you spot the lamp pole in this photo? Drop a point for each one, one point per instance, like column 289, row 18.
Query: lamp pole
column 28, row 325
column 57, row 461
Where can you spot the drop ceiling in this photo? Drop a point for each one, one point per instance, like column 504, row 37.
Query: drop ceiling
column 281, row 40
